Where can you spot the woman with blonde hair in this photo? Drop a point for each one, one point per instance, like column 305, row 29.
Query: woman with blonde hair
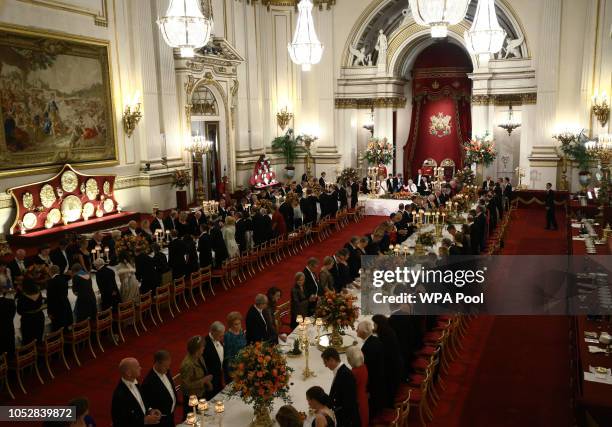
column 195, row 378
column 234, row 340
column 229, row 236
column 299, row 300
column 355, row 358
column 326, row 279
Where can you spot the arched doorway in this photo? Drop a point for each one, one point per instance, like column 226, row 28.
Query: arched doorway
column 441, row 116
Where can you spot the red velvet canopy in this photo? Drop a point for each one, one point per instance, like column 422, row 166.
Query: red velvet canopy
column 441, row 115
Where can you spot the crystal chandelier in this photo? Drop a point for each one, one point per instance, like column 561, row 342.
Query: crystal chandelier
column 185, row 27
column 438, row 14
column 485, row 37
column 511, row 124
column 305, row 49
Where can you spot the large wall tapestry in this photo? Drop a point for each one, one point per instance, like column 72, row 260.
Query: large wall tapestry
column 441, row 116
column 55, row 102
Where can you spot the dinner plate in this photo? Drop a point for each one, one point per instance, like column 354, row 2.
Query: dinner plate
column 71, row 208
column 30, row 220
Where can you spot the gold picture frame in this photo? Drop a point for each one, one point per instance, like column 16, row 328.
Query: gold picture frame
column 52, row 123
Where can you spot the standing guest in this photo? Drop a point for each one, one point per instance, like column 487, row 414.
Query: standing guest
column 177, row 252
column 96, row 240
column 288, row 416
column 59, row 256
column 321, row 404
column 286, row 210
column 354, row 257
column 488, row 184
column 18, row 266
column 145, row 230
column 158, row 223
column 507, row 192
column 127, row 275
column 340, row 270
column 242, row 227
column 298, row 216
column 549, row 203
column 229, row 237
column 409, row 331
column 195, row 221
column 107, row 285
column 343, row 392
column 354, row 194
column 86, row 306
column 214, row 356
column 274, row 295
column 6, row 282
column 193, row 263
column 83, row 256
column 279, row 226
column 222, row 210
column 182, row 226
column 132, row 229
column 322, row 182
column 393, row 360
column 195, row 378
column 374, row 243
column 257, row 327
column 234, row 340
column 43, row 258
column 7, row 322
column 58, row 305
column 171, row 222
column 342, row 197
column 299, row 300
column 158, row 388
column 374, row 357
column 128, row 406
column 218, row 243
column 311, row 286
column 112, row 246
column 326, row 277
column 160, row 262
column 30, row 308
column 204, row 247
column 145, row 271
column 354, row 356
column 309, row 207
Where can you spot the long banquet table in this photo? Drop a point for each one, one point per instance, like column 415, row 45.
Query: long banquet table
column 381, row 207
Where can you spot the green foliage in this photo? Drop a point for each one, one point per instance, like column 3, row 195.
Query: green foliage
column 288, row 146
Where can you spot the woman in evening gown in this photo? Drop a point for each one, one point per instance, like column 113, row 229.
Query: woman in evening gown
column 30, row 308
column 360, row 372
column 86, row 306
column 229, row 237
column 233, row 341
column 321, row 403
column 130, row 287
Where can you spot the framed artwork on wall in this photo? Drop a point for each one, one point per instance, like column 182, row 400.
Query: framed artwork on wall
column 55, row 102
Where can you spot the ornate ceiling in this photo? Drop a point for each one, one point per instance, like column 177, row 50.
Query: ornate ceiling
column 319, row 3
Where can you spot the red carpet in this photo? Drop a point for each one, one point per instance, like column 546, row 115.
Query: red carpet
column 515, row 369
column 97, row 378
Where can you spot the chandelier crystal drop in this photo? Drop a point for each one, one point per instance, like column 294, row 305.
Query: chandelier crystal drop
column 438, row 14
column 485, row 37
column 185, row 27
column 305, row 49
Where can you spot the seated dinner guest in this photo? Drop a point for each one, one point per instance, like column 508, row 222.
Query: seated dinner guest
column 132, row 229
column 321, row 404
column 195, row 378
column 343, row 392
column 213, row 358
column 129, row 407
column 158, row 388
column 257, row 327
column 234, row 340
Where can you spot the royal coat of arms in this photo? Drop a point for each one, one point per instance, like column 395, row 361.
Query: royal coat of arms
column 440, row 125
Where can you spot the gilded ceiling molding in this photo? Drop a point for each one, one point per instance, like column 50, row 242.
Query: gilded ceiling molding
column 368, row 103
column 506, row 99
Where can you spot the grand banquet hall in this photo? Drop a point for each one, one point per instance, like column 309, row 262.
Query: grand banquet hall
column 326, row 213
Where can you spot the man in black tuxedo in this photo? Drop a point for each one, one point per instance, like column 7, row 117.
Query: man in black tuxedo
column 408, row 330
column 262, row 227
column 158, row 223
column 374, row 356
column 286, row 210
column 304, row 177
column 322, row 181
column 128, row 406
column 343, row 392
column 341, row 271
column 107, row 285
column 309, row 207
column 257, row 328
column 172, row 220
column 132, row 229
column 507, row 193
column 218, row 244
column 97, row 239
column 390, row 187
column 58, row 305
column 59, row 256
column 241, row 229
column 312, row 289
column 19, row 265
column 213, row 357
column 488, row 184
column 480, row 225
column 549, row 203
column 418, row 180
column 146, row 273
column 177, row 251
column 222, row 210
column 342, row 197
column 158, row 388
column 354, row 258
column 354, row 194
column 205, row 247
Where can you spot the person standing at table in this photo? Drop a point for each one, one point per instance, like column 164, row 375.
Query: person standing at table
column 86, row 306
column 321, row 404
column 195, row 377
column 234, row 340
column 299, row 300
column 30, row 308
column 343, row 392
column 354, row 357
column 257, row 328
column 127, row 275
column 214, row 356
column 158, row 388
column 549, row 203
column 59, row 256
column 374, row 357
column 107, row 285
column 7, row 323
column 58, row 305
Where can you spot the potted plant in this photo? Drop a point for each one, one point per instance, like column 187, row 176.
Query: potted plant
column 287, row 145
column 180, row 180
column 576, row 150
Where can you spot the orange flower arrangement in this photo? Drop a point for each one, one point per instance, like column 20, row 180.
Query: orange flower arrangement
column 260, row 375
column 339, row 310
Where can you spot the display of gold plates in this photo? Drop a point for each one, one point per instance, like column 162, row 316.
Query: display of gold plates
column 54, row 216
column 29, row 220
column 106, row 187
column 71, row 208
column 88, row 210
column 47, row 196
column 109, row 205
column 69, row 181
column 28, row 200
column 91, row 189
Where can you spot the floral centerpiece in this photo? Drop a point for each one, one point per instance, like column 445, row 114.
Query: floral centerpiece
column 379, row 151
column 480, row 150
column 347, row 176
column 462, row 202
column 426, row 239
column 339, row 311
column 260, row 375
column 465, row 176
column 180, row 178
column 129, row 245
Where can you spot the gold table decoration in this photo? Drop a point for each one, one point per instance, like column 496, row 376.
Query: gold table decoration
column 47, row 196
column 55, row 216
column 106, row 187
column 71, row 208
column 28, row 200
column 88, row 210
column 108, row 205
column 30, row 220
column 303, row 336
column 70, row 182
column 91, row 189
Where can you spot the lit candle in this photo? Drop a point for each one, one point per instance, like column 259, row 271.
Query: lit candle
column 299, row 318
column 319, row 321
column 219, row 407
column 106, row 253
column 202, row 405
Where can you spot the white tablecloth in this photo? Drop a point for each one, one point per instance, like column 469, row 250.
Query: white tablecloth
column 382, row 207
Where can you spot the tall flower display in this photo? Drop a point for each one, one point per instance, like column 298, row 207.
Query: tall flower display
column 480, row 150
column 338, row 310
column 379, row 151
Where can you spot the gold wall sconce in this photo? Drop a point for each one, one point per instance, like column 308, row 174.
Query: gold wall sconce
column 283, row 117
column 132, row 115
column 601, row 108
